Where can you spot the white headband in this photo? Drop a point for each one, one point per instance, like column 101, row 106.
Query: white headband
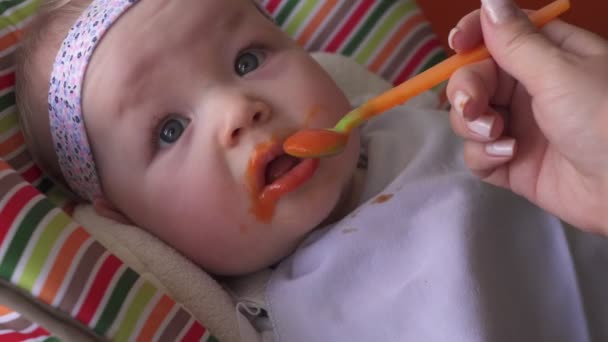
column 65, row 95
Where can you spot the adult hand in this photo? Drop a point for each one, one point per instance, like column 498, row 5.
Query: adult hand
column 535, row 116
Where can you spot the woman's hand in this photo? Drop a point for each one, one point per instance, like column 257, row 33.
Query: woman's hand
column 535, row 116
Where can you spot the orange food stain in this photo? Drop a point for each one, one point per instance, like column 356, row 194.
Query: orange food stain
column 264, row 200
column 312, row 114
column 262, row 209
column 264, row 205
column 382, row 198
column 314, row 143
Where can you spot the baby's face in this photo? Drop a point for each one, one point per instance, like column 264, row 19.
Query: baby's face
column 187, row 104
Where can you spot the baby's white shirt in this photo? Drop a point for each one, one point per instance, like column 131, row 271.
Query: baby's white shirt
column 434, row 254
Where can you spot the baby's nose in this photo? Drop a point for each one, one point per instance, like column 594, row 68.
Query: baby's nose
column 244, row 116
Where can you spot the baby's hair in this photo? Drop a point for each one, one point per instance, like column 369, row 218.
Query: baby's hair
column 35, row 57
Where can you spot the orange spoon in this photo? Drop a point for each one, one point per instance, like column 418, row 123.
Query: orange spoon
column 312, row 143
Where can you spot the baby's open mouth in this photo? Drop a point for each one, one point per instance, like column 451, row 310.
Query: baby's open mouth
column 278, row 167
column 272, row 173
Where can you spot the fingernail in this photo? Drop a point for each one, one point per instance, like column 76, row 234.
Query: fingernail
column 482, row 125
column 453, row 32
column 499, row 11
column 501, row 148
column 460, row 101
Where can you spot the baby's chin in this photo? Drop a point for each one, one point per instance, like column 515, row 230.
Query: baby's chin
column 342, row 207
column 242, row 262
column 327, row 202
column 235, row 260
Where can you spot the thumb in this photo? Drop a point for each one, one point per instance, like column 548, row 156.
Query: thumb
column 516, row 44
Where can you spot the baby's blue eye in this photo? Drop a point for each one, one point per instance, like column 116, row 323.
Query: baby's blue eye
column 170, row 130
column 247, row 62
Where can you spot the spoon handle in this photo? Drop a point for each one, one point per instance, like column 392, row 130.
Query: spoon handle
column 436, row 74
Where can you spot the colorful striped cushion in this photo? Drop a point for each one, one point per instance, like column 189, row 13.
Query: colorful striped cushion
column 390, row 37
column 15, row 327
column 14, row 16
column 44, row 253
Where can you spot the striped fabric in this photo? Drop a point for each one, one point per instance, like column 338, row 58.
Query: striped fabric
column 44, row 253
column 14, row 16
column 390, row 37
column 16, row 328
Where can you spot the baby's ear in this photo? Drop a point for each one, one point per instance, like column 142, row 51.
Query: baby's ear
column 104, row 208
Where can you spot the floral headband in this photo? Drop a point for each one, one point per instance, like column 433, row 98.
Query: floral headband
column 65, row 95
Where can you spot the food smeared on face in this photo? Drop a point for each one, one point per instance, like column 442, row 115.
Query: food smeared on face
column 271, row 173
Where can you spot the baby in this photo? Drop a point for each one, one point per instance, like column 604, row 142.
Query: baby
column 170, row 115
column 186, row 124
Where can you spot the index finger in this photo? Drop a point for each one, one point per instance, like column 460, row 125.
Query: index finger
column 467, row 34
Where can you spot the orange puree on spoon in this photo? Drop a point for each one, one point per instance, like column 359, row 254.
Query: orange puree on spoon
column 314, row 143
